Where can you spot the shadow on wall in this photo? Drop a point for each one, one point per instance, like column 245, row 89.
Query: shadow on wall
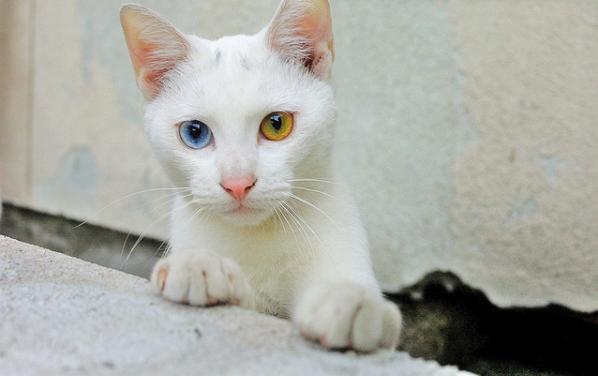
column 88, row 242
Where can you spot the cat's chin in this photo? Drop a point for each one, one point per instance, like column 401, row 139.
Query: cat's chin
column 245, row 216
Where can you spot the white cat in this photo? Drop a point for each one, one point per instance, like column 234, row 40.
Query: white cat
column 245, row 124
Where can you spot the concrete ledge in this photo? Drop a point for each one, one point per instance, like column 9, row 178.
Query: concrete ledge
column 61, row 315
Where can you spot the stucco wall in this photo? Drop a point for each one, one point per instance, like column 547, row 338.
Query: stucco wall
column 468, row 130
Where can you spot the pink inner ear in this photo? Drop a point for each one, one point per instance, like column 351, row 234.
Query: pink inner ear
column 318, row 29
column 151, row 67
column 150, row 76
column 141, row 52
column 152, row 80
column 312, row 27
column 154, row 45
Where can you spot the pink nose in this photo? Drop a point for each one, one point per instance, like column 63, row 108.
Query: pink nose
column 238, row 187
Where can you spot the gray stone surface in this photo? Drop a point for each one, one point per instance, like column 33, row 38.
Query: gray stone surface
column 61, row 315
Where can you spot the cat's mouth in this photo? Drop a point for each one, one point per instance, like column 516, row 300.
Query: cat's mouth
column 242, row 209
column 243, row 215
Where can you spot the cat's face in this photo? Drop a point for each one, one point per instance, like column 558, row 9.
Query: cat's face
column 228, row 89
column 237, row 120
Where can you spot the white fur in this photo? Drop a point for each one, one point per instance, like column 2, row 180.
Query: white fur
column 303, row 250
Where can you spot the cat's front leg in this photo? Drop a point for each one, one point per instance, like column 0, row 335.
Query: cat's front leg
column 348, row 316
column 201, row 278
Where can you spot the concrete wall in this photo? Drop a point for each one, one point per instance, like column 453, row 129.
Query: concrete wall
column 476, row 122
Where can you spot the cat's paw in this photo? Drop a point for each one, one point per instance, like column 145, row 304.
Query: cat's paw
column 348, row 316
column 201, row 279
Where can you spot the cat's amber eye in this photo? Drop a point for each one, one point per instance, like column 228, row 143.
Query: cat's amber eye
column 277, row 126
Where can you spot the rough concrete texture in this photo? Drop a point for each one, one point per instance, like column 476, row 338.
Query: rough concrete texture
column 471, row 148
column 61, row 315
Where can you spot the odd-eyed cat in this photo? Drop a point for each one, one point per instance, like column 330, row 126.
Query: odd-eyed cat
column 245, row 125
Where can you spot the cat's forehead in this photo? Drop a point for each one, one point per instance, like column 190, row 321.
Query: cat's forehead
column 236, row 71
column 238, row 76
column 229, row 52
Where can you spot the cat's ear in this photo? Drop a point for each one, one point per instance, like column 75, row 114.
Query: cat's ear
column 155, row 47
column 301, row 31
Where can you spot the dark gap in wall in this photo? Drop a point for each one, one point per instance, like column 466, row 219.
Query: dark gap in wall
column 463, row 328
column 457, row 327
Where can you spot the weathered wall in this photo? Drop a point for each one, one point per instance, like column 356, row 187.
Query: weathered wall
column 524, row 210
column 469, row 130
column 15, row 112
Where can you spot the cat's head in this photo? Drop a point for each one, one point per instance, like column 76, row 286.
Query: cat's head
column 238, row 120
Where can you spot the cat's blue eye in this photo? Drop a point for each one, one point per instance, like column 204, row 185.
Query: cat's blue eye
column 195, row 134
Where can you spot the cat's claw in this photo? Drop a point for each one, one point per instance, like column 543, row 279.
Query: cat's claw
column 201, row 279
column 348, row 316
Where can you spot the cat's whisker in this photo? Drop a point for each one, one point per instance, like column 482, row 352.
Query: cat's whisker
column 314, row 180
column 295, row 197
column 301, row 226
column 198, row 211
column 305, row 223
column 277, row 214
column 144, row 233
column 312, row 190
column 306, row 234
column 160, row 247
column 122, row 251
column 285, row 217
column 129, row 196
column 283, row 206
column 160, row 252
column 170, row 199
column 167, row 252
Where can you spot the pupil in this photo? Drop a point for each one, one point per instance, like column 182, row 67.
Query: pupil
column 194, row 131
column 276, row 121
